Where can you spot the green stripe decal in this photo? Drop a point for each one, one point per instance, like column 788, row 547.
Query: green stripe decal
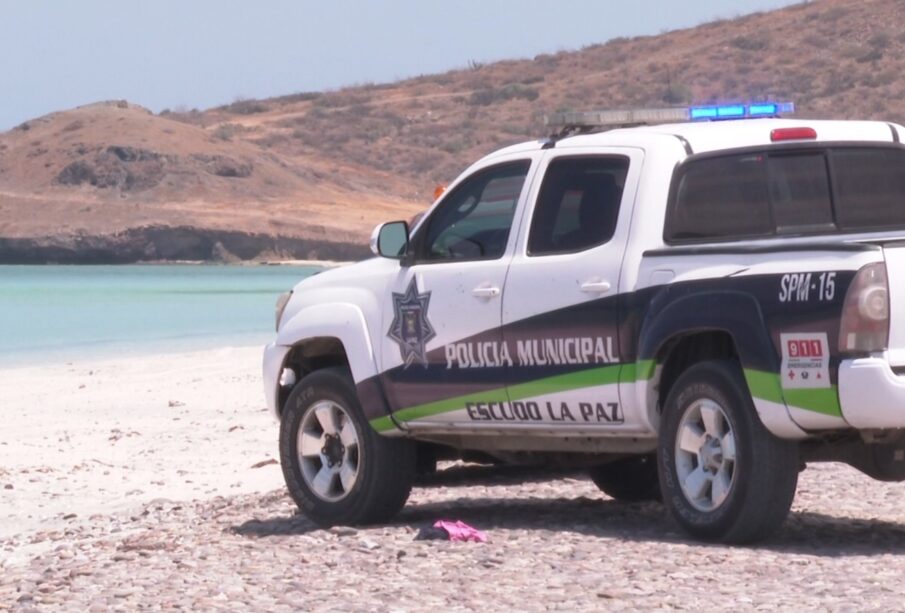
column 767, row 386
column 604, row 375
column 642, row 370
column 382, row 424
column 763, row 385
column 820, row 400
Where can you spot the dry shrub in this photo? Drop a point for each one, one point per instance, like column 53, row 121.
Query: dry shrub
column 246, row 107
column 227, row 131
column 752, row 42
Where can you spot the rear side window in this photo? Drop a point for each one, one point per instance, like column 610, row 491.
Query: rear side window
column 578, row 204
column 870, row 188
column 788, row 192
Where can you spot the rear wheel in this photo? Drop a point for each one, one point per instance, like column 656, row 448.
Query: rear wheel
column 337, row 468
column 629, row 479
column 723, row 476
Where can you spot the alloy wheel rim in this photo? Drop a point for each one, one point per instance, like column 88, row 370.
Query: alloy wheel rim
column 705, row 455
column 329, row 451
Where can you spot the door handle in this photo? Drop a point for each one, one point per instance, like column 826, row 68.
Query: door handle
column 485, row 291
column 595, row 286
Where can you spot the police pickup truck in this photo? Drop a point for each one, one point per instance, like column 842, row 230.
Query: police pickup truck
column 692, row 305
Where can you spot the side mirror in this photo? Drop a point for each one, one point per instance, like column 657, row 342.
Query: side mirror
column 390, row 240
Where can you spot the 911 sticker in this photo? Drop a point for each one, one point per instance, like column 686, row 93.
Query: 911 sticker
column 805, row 360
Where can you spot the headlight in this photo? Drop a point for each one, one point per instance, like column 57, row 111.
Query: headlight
column 282, row 301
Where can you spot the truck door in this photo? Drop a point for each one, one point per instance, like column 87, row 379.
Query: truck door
column 560, row 310
column 442, row 313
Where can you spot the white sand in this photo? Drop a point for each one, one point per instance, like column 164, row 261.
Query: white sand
column 110, row 435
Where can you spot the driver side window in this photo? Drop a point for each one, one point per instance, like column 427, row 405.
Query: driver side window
column 474, row 220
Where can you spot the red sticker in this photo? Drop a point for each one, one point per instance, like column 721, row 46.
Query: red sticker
column 805, row 359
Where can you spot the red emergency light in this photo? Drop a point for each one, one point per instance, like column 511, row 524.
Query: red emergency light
column 781, row 134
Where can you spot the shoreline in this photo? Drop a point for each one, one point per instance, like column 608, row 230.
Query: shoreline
column 174, row 243
column 110, row 350
column 322, row 263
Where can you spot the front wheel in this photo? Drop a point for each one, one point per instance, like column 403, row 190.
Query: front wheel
column 337, row 468
column 723, row 476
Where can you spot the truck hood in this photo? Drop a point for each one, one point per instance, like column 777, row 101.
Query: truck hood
column 350, row 275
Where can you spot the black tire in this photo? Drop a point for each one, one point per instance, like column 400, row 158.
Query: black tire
column 632, row 479
column 384, row 466
column 764, row 468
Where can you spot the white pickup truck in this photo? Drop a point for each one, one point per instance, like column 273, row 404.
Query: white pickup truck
column 693, row 309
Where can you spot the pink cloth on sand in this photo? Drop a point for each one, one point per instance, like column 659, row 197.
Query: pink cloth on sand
column 460, row 531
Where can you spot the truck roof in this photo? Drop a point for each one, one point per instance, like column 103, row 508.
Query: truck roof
column 706, row 136
column 716, row 135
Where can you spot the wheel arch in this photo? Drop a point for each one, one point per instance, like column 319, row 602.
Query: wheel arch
column 710, row 325
column 684, row 349
column 309, row 355
column 330, row 335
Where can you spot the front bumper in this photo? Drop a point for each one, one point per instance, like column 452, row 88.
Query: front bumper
column 871, row 394
column 274, row 358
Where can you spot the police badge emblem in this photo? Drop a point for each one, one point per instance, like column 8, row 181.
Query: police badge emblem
column 410, row 328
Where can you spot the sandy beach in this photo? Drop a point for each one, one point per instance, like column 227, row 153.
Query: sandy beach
column 104, row 436
column 151, row 483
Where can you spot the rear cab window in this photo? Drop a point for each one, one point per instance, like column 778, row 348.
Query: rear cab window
column 787, row 192
column 870, row 188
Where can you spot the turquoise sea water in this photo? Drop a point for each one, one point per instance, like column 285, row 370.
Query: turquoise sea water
column 75, row 312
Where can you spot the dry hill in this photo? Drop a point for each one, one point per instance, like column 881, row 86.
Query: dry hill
column 320, row 168
column 113, row 182
column 834, row 58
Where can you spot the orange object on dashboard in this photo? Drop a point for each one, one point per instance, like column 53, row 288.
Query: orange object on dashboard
column 438, row 191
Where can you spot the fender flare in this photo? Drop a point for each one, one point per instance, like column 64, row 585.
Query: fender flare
column 345, row 322
column 733, row 312
column 342, row 321
column 739, row 315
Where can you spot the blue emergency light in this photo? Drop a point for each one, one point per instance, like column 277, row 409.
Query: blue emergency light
column 740, row 111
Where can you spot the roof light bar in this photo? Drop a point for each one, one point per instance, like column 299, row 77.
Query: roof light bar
column 576, row 120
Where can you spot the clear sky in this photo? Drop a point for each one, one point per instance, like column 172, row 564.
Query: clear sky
column 56, row 54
